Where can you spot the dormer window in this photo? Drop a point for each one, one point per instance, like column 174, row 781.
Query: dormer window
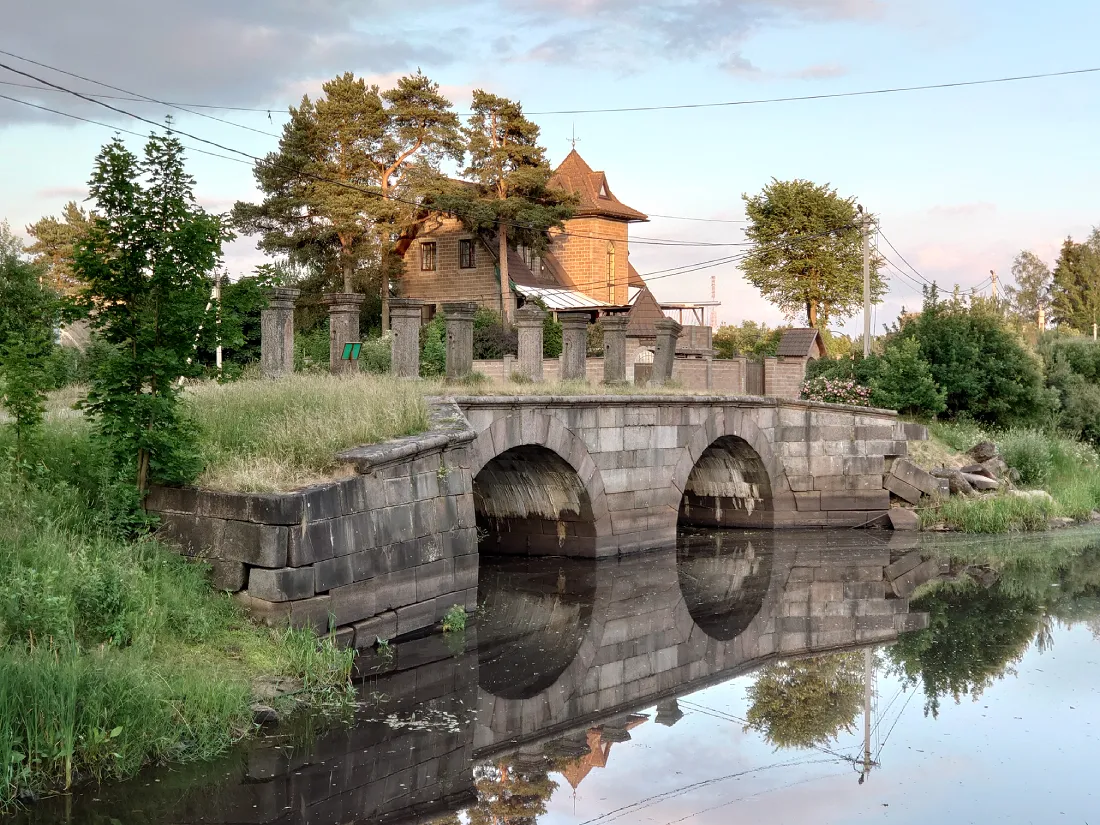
column 603, row 190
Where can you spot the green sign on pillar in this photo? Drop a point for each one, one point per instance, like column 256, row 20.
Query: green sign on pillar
column 352, row 350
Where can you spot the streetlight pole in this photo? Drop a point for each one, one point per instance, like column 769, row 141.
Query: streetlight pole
column 866, row 283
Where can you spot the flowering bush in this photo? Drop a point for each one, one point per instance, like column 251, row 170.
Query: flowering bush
column 836, row 391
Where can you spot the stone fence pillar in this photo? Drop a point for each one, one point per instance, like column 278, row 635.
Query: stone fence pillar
column 406, row 315
column 614, row 348
column 460, row 338
column 343, row 328
column 277, row 333
column 529, row 318
column 668, row 331
column 574, row 345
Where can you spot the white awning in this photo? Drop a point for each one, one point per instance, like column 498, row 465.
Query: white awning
column 557, row 298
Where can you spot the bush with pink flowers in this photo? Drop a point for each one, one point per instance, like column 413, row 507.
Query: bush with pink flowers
column 836, row 391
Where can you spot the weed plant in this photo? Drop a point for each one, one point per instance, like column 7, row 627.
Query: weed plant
column 114, row 651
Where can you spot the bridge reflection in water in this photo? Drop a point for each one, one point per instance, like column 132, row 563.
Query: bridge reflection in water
column 560, row 649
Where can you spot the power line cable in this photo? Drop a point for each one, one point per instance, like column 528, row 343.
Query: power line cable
column 275, row 111
column 139, row 97
column 109, row 126
column 828, row 96
column 891, row 245
column 667, row 107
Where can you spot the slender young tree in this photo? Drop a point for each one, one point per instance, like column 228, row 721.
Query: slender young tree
column 29, row 311
column 147, row 261
column 807, row 254
column 512, row 175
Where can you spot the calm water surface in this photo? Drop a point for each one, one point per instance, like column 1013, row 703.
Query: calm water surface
column 770, row 677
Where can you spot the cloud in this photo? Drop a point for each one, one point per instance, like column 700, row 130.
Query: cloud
column 627, row 33
column 819, row 71
column 242, row 52
column 63, row 193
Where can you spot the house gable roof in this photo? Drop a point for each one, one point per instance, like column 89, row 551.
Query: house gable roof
column 801, row 343
column 594, row 195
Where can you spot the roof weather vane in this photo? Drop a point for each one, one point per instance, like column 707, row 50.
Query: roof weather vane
column 574, row 139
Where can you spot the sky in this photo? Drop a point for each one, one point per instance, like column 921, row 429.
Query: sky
column 961, row 179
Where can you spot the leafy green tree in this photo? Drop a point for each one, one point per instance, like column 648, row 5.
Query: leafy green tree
column 974, row 636
column 807, row 251
column 347, row 176
column 239, row 328
column 29, row 311
column 508, row 794
column 147, row 262
column 982, row 367
column 511, row 195
column 54, row 239
column 1032, row 290
column 750, row 338
column 1075, row 291
column 806, row 702
column 904, row 381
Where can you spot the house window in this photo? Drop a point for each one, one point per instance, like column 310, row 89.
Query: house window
column 466, row 254
column 610, row 271
column 427, row 256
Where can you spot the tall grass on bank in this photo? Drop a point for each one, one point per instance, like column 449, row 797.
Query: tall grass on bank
column 1067, row 469
column 261, row 436
column 115, row 652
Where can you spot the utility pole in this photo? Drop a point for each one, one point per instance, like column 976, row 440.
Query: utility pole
column 713, row 309
column 218, row 322
column 993, row 273
column 868, row 676
column 1042, row 317
column 866, row 283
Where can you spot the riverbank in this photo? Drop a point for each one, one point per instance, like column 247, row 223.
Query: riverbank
column 115, row 652
column 1067, row 471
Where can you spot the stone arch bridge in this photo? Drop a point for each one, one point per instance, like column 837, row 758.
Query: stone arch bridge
column 389, row 549
column 600, row 475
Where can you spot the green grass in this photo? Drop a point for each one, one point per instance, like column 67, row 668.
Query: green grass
column 259, row 436
column 1067, row 469
column 114, row 652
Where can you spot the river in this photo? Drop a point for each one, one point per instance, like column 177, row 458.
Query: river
column 826, row 677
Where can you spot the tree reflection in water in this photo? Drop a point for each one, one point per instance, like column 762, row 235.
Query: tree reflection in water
column 803, row 703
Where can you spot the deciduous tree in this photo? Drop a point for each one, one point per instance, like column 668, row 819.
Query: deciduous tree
column 147, row 261
column 1032, row 290
column 806, row 255
column 28, row 313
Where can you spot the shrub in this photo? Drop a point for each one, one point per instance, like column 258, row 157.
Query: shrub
column 492, row 341
column 433, row 347
column 904, row 382
column 982, row 367
column 376, row 355
column 1029, row 452
column 311, row 349
column 750, row 338
column 836, row 391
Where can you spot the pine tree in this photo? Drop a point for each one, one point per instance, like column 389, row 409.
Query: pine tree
column 807, row 255
column 54, row 239
column 348, row 174
column 511, row 174
column 1075, row 291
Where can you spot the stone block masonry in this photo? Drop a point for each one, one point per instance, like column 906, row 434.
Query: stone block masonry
column 395, row 540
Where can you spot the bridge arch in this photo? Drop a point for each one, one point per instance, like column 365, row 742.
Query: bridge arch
column 729, row 475
column 536, row 488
